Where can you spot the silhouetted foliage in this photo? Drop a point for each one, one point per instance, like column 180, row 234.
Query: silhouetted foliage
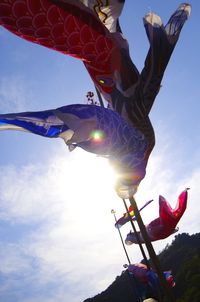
column 182, row 257
column 124, row 288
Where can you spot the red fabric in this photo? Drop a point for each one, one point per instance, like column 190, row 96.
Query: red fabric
column 165, row 225
column 171, row 216
column 66, row 28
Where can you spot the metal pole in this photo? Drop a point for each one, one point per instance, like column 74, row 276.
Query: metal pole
column 151, row 251
column 99, row 97
column 120, row 235
column 132, row 282
column 137, row 236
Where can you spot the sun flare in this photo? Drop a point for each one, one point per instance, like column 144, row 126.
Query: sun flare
column 83, row 173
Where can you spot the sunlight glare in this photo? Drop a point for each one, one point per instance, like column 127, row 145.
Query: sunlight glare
column 84, row 174
column 84, row 185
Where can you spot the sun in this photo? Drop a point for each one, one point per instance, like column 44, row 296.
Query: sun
column 84, row 189
column 84, row 174
column 94, row 171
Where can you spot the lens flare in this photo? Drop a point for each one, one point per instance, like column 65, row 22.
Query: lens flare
column 97, row 136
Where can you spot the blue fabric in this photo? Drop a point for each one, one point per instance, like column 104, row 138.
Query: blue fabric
column 124, row 145
column 35, row 122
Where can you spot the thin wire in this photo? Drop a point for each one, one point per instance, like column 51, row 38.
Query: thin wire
column 113, row 212
column 133, row 281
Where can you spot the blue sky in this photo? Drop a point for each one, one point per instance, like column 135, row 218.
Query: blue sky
column 56, row 232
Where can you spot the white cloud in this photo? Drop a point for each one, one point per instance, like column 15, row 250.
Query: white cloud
column 12, row 260
column 68, row 212
column 71, row 240
column 14, row 93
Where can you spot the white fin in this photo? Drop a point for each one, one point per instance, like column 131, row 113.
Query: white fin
column 12, row 127
column 66, row 135
column 71, row 147
column 153, row 19
column 81, row 129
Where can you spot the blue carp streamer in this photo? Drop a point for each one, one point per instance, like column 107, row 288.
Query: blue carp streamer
column 95, row 129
